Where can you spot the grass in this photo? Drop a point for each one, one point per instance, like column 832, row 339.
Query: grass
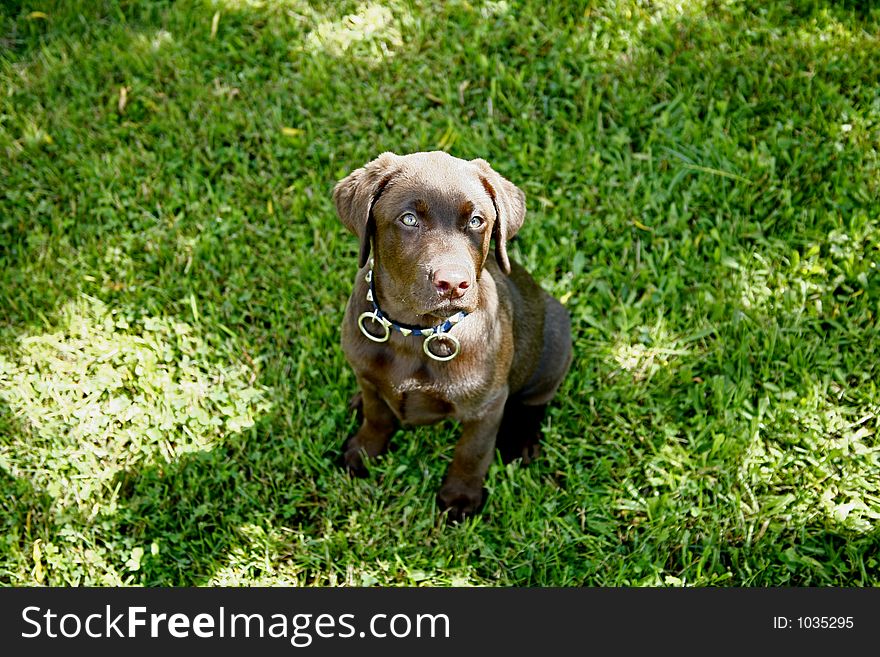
column 702, row 179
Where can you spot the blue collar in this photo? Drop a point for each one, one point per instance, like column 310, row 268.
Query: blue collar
column 438, row 332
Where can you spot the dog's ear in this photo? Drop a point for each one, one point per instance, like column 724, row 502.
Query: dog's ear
column 355, row 195
column 510, row 209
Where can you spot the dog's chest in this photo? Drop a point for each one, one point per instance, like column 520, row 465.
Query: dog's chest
column 417, row 398
column 418, row 392
column 416, row 389
column 416, row 407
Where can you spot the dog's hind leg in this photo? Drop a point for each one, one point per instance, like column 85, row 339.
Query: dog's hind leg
column 520, row 434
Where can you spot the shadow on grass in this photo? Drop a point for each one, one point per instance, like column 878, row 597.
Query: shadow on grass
column 178, row 523
column 234, row 503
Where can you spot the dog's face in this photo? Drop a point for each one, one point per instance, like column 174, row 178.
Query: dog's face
column 431, row 218
column 432, row 232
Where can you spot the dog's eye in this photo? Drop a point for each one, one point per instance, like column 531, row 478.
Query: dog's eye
column 476, row 222
column 409, row 219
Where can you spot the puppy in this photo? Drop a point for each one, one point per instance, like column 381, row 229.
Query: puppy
column 437, row 328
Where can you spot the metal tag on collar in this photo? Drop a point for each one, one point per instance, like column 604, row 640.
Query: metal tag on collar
column 441, row 336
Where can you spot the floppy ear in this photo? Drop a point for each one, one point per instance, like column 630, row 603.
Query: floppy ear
column 510, row 210
column 356, row 194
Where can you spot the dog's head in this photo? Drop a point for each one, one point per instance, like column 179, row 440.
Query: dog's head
column 431, row 218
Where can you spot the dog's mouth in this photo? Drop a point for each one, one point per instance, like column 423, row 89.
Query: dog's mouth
column 448, row 307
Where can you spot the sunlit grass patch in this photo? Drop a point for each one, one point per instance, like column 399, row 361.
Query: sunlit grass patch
column 245, row 5
column 371, row 33
column 652, row 350
column 155, row 41
column 277, row 558
column 841, row 264
column 109, row 390
column 814, row 458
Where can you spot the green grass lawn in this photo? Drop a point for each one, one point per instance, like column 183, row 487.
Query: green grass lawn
column 702, row 179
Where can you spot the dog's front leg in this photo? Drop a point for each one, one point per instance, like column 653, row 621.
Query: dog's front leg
column 374, row 433
column 462, row 493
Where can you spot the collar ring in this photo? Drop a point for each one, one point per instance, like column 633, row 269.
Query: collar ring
column 376, row 318
column 441, row 336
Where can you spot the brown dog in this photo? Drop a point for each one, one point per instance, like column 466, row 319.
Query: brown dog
column 435, row 328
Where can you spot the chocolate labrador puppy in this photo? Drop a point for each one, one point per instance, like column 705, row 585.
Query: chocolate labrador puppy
column 435, row 328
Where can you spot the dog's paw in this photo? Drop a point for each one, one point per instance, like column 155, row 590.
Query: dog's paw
column 353, row 459
column 459, row 501
column 527, row 450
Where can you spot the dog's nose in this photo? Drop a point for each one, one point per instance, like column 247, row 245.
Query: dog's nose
column 451, row 281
